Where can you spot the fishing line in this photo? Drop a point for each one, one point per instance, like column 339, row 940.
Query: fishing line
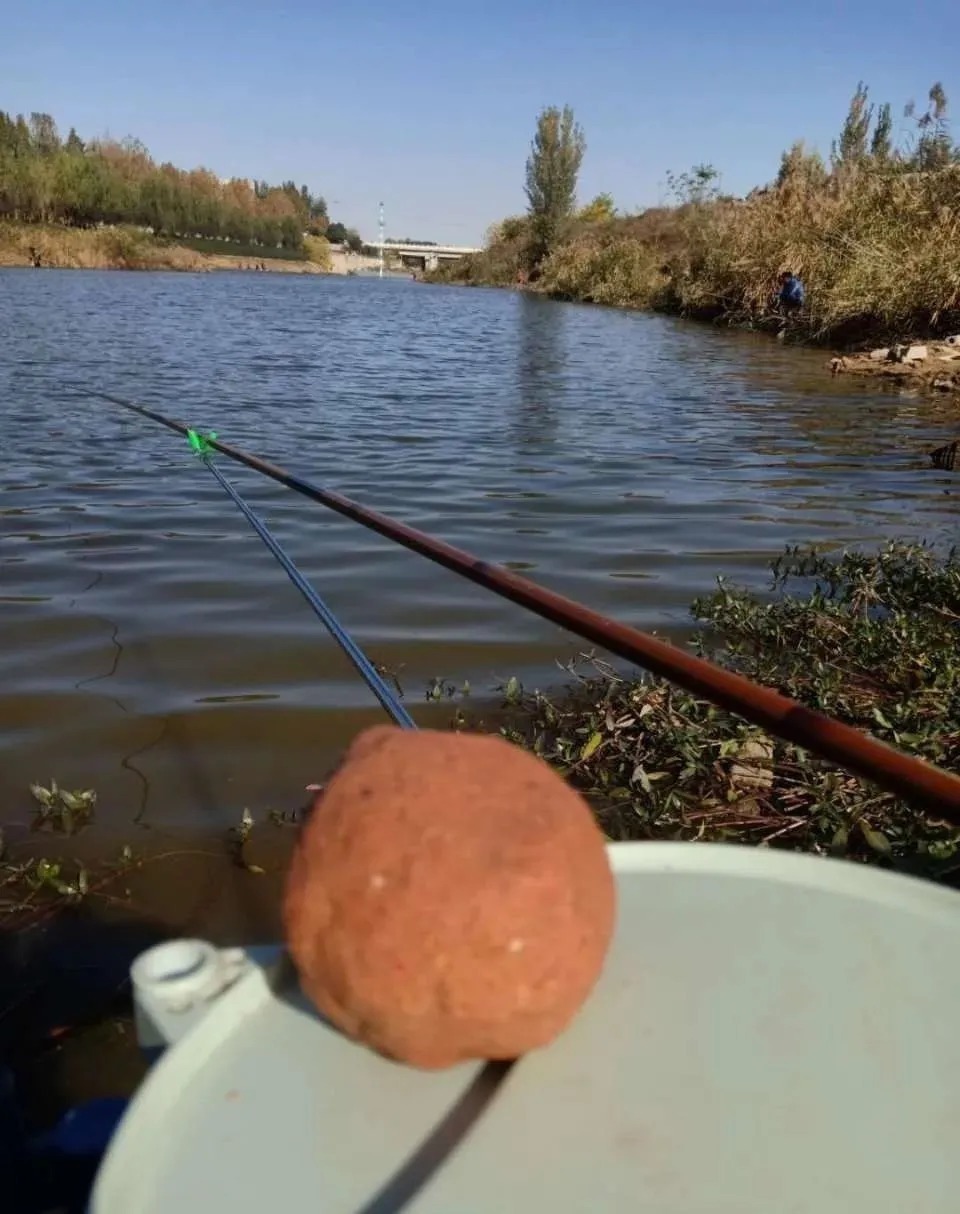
column 201, row 445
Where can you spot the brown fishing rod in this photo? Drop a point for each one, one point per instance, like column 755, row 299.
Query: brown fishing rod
column 914, row 780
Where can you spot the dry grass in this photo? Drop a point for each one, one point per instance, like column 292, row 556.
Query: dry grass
column 877, row 246
column 878, row 249
column 92, row 249
column 606, row 266
column 126, row 248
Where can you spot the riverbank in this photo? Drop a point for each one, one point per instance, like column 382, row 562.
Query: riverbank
column 53, row 246
column 876, row 242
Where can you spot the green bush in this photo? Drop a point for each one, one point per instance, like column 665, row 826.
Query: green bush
column 604, row 268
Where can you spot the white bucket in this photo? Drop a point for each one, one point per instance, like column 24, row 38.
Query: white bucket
column 772, row 1032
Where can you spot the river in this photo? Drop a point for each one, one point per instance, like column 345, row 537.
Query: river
column 151, row 648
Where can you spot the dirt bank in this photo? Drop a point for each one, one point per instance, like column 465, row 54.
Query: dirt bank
column 60, row 248
column 344, row 262
column 270, row 265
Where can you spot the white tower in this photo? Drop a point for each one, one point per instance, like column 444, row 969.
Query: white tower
column 381, row 239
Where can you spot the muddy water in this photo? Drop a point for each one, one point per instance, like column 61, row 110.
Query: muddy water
column 151, row 648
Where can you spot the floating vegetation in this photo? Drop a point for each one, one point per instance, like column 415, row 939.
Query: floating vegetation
column 36, row 887
column 237, row 839
column 61, row 810
column 286, row 817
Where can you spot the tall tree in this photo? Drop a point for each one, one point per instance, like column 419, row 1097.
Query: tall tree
column 852, row 146
column 74, row 143
column 881, row 146
column 43, row 134
column 22, row 144
column 553, row 167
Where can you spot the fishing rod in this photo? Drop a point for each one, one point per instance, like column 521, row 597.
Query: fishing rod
column 916, row 781
column 201, row 444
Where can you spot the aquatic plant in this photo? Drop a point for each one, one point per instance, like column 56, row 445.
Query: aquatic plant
column 62, row 810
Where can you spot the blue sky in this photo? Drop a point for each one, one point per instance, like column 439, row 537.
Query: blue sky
column 431, row 106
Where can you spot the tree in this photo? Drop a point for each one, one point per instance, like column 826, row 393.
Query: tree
column 599, row 209
column 881, row 146
column 696, row 187
column 852, row 146
column 800, row 170
column 512, row 228
column 74, row 144
column 553, row 167
column 43, row 134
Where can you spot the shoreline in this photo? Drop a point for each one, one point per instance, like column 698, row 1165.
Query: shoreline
column 183, row 260
column 930, row 364
column 26, row 246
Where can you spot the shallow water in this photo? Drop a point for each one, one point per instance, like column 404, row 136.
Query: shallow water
column 151, row 647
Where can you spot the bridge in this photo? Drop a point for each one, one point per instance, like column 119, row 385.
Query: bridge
column 423, row 256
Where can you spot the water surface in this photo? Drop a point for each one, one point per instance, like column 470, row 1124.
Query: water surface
column 151, row 647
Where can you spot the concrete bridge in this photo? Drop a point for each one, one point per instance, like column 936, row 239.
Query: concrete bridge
column 422, row 256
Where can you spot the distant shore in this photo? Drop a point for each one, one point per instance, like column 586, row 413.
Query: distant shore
column 125, row 248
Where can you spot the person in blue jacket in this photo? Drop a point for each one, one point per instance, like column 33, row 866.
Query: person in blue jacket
column 791, row 294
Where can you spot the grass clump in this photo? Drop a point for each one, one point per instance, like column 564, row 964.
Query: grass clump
column 605, row 265
column 873, row 640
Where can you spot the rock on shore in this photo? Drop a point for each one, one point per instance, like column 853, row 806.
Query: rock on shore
column 932, row 366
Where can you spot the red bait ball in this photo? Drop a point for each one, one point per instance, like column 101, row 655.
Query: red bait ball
column 450, row 898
